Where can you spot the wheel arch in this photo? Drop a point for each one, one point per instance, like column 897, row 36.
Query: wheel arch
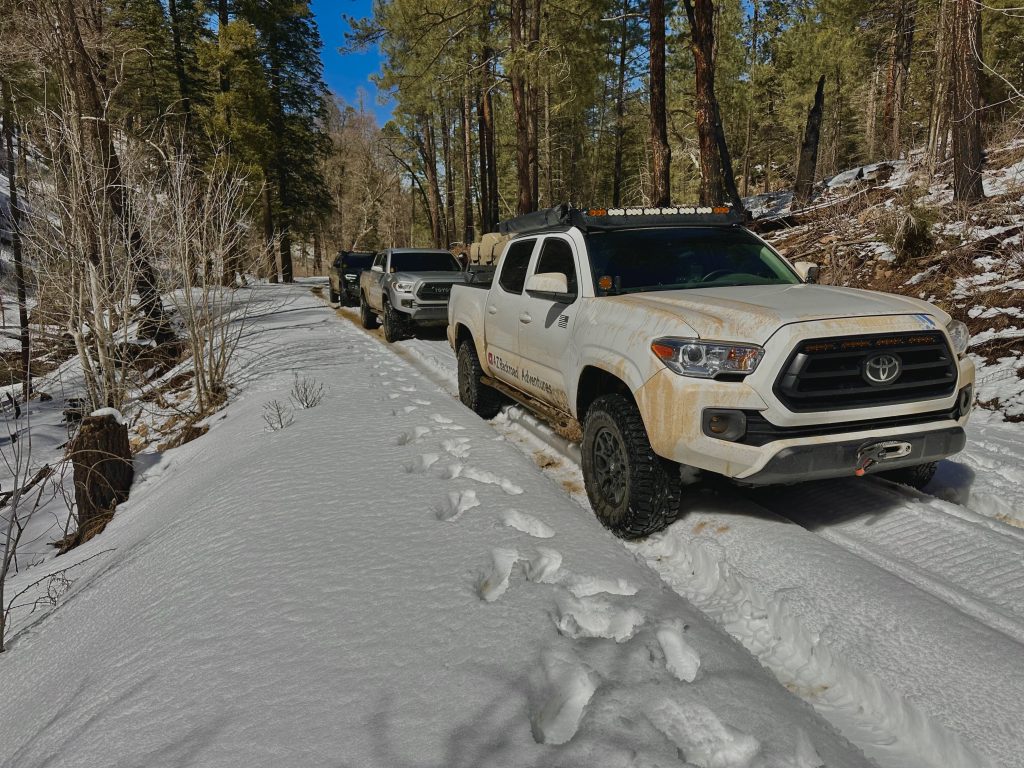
column 594, row 382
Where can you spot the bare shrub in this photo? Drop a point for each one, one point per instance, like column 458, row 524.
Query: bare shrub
column 277, row 415
column 307, row 392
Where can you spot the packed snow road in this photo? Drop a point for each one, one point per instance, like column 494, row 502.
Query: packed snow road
column 898, row 615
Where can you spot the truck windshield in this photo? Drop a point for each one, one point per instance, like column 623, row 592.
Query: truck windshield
column 674, row 258
column 425, row 261
column 357, row 260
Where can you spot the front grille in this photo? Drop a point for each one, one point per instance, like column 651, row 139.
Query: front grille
column 831, row 374
column 434, row 291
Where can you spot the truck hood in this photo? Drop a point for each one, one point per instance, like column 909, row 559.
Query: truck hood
column 753, row 313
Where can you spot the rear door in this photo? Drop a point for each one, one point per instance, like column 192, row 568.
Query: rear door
column 545, row 325
column 376, row 279
column 503, row 310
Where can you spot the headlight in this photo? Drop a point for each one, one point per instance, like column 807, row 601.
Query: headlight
column 959, row 335
column 706, row 359
column 403, row 286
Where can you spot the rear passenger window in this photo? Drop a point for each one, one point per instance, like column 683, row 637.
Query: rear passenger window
column 556, row 256
column 514, row 265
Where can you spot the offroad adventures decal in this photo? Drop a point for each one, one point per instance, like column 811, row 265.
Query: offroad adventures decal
column 495, row 362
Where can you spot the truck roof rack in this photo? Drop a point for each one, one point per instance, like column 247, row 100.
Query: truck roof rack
column 564, row 216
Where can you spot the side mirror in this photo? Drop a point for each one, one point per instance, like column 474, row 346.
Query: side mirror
column 553, row 286
column 377, row 268
column 807, row 270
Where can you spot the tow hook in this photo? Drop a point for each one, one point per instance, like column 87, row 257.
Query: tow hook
column 876, row 453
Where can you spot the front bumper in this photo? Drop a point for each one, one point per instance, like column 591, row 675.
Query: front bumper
column 840, row 459
column 777, row 450
column 422, row 313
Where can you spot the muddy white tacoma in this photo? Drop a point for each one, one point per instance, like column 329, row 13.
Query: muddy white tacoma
column 405, row 288
column 676, row 338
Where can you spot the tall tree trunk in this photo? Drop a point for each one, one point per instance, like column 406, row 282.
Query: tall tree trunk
column 178, row 56
column 483, row 166
column 938, row 122
column 520, row 106
column 898, row 72
column 620, row 105
column 468, row 229
column 428, row 155
column 534, row 102
column 809, row 149
column 9, row 131
column 450, row 227
column 661, row 153
column 268, row 234
column 964, row 50
column 750, row 102
column 717, row 182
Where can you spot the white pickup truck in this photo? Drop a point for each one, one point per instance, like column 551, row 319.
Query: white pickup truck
column 676, row 338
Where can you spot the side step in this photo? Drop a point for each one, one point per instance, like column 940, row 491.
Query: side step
column 562, row 423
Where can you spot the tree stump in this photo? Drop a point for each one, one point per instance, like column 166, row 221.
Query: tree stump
column 103, row 472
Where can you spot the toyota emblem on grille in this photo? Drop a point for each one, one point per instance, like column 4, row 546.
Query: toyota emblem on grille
column 882, row 369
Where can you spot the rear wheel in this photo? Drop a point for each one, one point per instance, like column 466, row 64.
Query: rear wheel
column 395, row 325
column 916, row 477
column 484, row 401
column 634, row 492
column 366, row 316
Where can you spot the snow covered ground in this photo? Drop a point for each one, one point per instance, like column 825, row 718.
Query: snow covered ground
column 391, row 581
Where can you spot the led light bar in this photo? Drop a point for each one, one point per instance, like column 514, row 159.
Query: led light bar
column 601, row 219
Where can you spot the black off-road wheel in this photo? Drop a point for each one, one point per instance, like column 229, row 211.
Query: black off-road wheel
column 484, row 401
column 396, row 327
column 366, row 316
column 334, row 297
column 633, row 491
column 916, row 477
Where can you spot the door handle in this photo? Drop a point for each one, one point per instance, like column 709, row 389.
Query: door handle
column 525, row 318
column 491, row 309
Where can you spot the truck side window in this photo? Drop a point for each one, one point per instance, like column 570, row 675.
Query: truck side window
column 378, row 260
column 556, row 256
column 514, row 265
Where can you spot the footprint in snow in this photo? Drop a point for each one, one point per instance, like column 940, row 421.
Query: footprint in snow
column 680, row 657
column 702, row 738
column 408, row 389
column 394, row 396
column 527, row 524
column 421, row 463
column 565, row 688
column 543, row 567
column 587, row 586
column 494, row 584
column 457, row 503
column 437, row 418
column 458, row 447
column 420, row 401
column 481, row 476
column 413, row 436
column 593, row 617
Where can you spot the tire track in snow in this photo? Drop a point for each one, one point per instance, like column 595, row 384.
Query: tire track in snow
column 869, row 713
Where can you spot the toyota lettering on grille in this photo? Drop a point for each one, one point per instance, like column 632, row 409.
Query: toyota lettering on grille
column 880, row 370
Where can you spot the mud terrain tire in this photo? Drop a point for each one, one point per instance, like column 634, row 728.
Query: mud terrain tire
column 395, row 325
column 474, row 394
column 366, row 316
column 633, row 491
column 916, row 477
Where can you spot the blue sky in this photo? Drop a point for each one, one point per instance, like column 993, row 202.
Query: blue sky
column 346, row 75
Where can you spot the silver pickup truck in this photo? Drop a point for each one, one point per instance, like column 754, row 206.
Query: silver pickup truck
column 407, row 287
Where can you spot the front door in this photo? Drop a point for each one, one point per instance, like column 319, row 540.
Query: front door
column 503, row 310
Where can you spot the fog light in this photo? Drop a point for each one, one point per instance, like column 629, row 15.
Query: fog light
column 723, row 424
column 408, row 303
column 965, row 401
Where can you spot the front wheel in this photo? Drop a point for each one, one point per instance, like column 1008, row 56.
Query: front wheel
column 394, row 324
column 334, row 297
column 366, row 316
column 484, row 401
column 634, row 492
column 916, row 477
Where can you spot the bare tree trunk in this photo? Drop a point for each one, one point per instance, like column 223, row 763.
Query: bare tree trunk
column 938, row 123
column 620, row 105
column 178, row 57
column 450, row 227
column 520, row 107
column 898, row 72
column 661, row 152
column 717, row 181
column 467, row 166
column 268, row 234
column 9, row 131
column 809, row 149
column 534, row 102
column 967, row 157
column 428, row 155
